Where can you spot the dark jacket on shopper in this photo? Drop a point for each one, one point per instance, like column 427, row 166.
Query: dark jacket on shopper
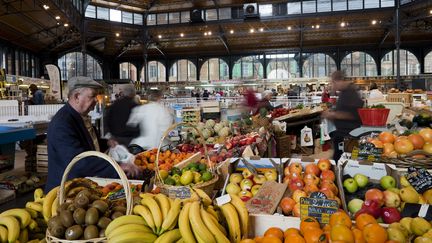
column 117, row 116
column 67, row 137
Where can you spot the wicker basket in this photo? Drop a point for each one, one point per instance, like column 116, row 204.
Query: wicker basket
column 184, row 191
column 62, row 197
column 417, row 158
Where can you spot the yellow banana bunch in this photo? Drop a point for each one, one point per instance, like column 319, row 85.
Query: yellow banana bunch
column 204, row 196
column 13, row 227
column 184, row 225
column 214, row 227
column 233, row 222
column 38, row 195
column 145, row 213
column 21, row 214
column 152, row 205
column 133, row 237
column 48, row 202
column 242, row 212
column 123, row 220
column 201, row 232
column 164, row 204
column 170, row 221
column 169, row 236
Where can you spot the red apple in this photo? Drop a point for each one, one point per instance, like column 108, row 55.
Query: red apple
column 295, row 167
column 296, row 184
column 328, row 192
column 287, row 179
column 391, row 199
column 311, row 179
column 312, row 169
column 297, row 194
column 390, row 215
column 328, row 175
column 370, row 207
column 324, row 164
column 287, row 204
column 375, row 195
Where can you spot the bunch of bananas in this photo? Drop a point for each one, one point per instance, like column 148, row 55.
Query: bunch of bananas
column 161, row 219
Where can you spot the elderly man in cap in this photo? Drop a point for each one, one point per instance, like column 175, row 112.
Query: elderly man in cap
column 70, row 133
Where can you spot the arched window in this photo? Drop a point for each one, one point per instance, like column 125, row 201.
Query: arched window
column 318, row 65
column 128, row 71
column 182, row 70
column 214, row 69
column 409, row 64
column 281, row 66
column 248, row 67
column 428, row 63
column 359, row 64
column 71, row 65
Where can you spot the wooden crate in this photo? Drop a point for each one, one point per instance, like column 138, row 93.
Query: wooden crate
column 405, row 98
column 283, row 146
column 42, row 159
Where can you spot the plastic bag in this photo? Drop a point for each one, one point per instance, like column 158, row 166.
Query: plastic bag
column 121, row 154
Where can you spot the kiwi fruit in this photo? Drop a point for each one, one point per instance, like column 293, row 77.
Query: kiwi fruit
column 103, row 222
column 71, row 208
column 84, row 192
column 66, row 218
column 91, row 232
column 102, row 233
column 79, row 216
column 74, row 232
column 119, row 209
column 62, row 207
column 116, row 214
column 54, row 221
column 81, row 202
column 92, row 216
column 101, row 205
column 58, row 231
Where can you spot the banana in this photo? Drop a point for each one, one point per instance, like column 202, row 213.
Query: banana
column 180, row 241
column 32, row 225
column 19, row 213
column 23, row 236
column 199, row 228
column 154, row 209
column 144, row 212
column 54, row 207
column 127, row 228
column 35, row 206
column 242, row 212
column 143, row 195
column 170, row 220
column 13, row 227
column 194, row 197
column 134, row 237
column 169, row 236
column 47, row 204
column 126, row 219
column 184, row 226
column 38, row 195
column 33, row 241
column 32, row 213
column 213, row 227
column 232, row 219
column 3, row 234
column 213, row 212
column 221, row 228
column 204, row 196
column 164, row 204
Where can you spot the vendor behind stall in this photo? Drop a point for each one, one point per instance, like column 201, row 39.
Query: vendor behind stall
column 70, row 133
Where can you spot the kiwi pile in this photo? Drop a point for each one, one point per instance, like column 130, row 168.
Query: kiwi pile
column 85, row 217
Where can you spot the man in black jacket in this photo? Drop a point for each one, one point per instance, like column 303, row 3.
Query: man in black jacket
column 118, row 114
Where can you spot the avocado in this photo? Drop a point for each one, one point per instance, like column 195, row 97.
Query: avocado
column 101, row 205
column 91, row 232
column 66, row 218
column 79, row 216
column 92, row 216
column 103, row 222
column 73, row 232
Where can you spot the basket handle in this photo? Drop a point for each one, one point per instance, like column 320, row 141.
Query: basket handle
column 165, row 134
column 418, row 152
column 113, row 163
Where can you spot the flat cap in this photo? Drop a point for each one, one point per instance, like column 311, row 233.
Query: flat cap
column 83, row 82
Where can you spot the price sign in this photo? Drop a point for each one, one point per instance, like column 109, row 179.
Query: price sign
column 319, row 208
column 420, row 179
column 181, row 192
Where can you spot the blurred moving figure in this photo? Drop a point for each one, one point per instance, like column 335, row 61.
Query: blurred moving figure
column 153, row 120
column 345, row 116
column 325, row 96
column 38, row 95
column 375, row 93
column 118, row 115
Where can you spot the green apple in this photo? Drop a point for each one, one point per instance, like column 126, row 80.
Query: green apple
column 388, row 182
column 247, row 174
column 361, row 180
column 197, row 177
column 350, row 185
column 271, row 175
column 355, row 205
column 232, row 188
column 259, row 179
column 236, row 178
column 246, row 184
column 186, row 178
column 255, row 189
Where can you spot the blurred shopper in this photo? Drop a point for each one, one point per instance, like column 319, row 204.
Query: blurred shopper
column 325, row 96
column 345, row 116
column 70, row 133
column 264, row 103
column 118, row 115
column 205, row 95
column 153, row 120
column 375, row 93
column 38, row 95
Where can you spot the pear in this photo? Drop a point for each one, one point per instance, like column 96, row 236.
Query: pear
column 422, row 239
column 428, row 196
column 404, row 182
column 396, row 235
column 401, row 228
column 420, row 226
column 428, row 234
column 394, row 189
column 406, row 223
column 409, row 195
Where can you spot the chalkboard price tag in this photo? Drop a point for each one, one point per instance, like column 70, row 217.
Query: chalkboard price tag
column 319, row 208
column 420, row 179
column 181, row 192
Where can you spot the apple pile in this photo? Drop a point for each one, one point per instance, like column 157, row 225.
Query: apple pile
column 304, row 181
column 279, row 112
column 383, row 200
column 246, row 185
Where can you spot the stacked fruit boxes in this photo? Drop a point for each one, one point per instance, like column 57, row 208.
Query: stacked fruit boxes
column 42, row 159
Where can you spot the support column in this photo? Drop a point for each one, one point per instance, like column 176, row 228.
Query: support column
column 397, row 43
column 84, row 48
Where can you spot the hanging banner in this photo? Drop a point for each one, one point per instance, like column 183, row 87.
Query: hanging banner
column 54, row 76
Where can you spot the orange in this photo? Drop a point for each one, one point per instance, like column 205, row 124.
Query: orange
column 374, row 233
column 295, row 238
column 364, row 219
column 274, row 231
column 340, row 217
column 271, row 239
column 308, row 223
column 358, row 236
column 259, row 239
column 291, row 231
column 341, row 232
column 315, row 236
column 247, row 241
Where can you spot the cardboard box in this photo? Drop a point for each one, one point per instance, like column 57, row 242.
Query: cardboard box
column 373, row 170
column 259, row 223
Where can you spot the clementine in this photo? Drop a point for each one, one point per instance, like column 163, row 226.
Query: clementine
column 308, row 223
column 258, row 239
column 294, row 238
column 291, row 231
column 315, row 236
column 271, row 239
column 340, row 217
column 275, row 232
column 363, row 220
column 341, row 232
column 374, row 233
column 247, row 241
column 386, row 137
column 358, row 236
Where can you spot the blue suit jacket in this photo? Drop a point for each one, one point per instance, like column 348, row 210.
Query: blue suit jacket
column 67, row 137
